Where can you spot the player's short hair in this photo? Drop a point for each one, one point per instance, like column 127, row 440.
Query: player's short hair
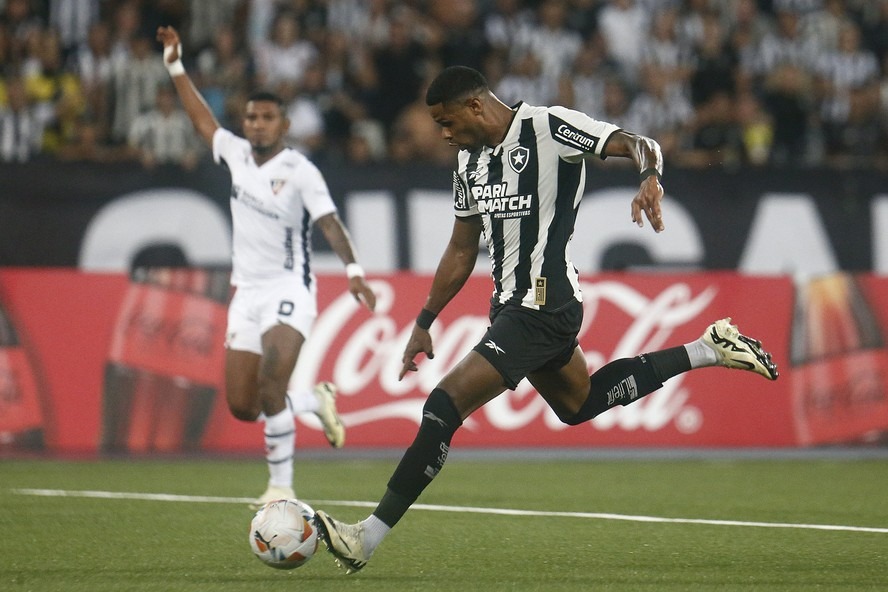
column 454, row 83
column 266, row 95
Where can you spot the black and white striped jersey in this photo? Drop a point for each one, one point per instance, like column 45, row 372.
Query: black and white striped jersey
column 527, row 190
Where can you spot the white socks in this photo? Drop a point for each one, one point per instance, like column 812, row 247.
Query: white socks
column 700, row 354
column 302, row 401
column 280, row 442
column 374, row 531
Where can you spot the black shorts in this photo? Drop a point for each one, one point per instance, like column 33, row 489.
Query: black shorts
column 520, row 341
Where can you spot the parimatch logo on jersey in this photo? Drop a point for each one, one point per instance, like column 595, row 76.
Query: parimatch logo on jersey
column 494, row 200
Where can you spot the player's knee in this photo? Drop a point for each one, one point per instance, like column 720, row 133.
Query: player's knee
column 440, row 413
column 242, row 411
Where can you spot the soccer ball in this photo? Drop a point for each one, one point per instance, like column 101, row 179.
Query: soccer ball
column 282, row 534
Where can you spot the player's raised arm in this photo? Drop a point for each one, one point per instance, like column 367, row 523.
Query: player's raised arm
column 649, row 159
column 194, row 104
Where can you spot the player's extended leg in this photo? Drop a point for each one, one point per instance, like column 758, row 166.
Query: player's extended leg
column 576, row 398
column 469, row 385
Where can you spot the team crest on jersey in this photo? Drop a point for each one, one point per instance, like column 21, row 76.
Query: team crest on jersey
column 518, row 158
column 276, row 185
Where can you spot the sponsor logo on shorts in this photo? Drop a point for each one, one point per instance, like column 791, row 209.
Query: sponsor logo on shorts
column 497, row 349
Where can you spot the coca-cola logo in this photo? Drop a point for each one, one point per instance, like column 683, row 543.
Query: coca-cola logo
column 363, row 353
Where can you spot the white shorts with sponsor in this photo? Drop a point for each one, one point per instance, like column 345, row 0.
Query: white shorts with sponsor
column 256, row 308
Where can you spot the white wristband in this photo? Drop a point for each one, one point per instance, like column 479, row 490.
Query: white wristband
column 353, row 270
column 175, row 68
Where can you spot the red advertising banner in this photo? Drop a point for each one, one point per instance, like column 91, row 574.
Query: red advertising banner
column 121, row 365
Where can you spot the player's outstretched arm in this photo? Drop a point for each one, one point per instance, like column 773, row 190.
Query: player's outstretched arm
column 454, row 269
column 646, row 154
column 340, row 241
column 194, row 104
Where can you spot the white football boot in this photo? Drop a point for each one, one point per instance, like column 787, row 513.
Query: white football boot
column 274, row 492
column 735, row 350
column 334, row 429
column 344, row 541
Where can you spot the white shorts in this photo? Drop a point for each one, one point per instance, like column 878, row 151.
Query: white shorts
column 257, row 308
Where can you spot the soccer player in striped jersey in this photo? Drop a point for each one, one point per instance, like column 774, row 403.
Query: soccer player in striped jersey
column 519, row 181
column 276, row 196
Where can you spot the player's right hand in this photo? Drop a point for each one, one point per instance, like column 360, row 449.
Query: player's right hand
column 172, row 47
column 420, row 341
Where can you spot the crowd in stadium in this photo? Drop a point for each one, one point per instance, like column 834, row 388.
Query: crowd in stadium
column 723, row 83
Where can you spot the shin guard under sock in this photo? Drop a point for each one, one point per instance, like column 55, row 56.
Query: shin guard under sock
column 423, row 459
column 617, row 383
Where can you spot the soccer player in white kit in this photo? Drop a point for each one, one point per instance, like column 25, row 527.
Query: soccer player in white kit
column 276, row 196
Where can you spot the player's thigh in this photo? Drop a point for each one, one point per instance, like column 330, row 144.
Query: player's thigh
column 564, row 389
column 472, row 383
column 281, row 345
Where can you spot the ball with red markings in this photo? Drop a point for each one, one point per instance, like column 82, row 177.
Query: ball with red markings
column 283, row 535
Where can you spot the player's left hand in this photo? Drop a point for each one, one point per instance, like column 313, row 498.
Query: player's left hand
column 647, row 200
column 362, row 292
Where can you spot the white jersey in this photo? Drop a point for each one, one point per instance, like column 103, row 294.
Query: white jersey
column 273, row 207
column 527, row 190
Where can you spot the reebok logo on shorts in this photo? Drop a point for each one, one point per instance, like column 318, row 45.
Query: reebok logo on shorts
column 490, row 344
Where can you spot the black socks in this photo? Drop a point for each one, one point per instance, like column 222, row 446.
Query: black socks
column 423, row 460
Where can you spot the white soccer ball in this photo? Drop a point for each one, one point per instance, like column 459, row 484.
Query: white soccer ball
column 283, row 535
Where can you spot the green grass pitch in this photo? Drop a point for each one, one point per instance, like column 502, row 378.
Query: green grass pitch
column 75, row 543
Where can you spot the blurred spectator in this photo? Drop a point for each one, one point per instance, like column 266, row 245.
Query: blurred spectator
column 822, row 27
column 661, row 110
column 715, row 64
column 88, row 145
column 624, row 26
column 463, row 42
column 715, row 137
column 756, row 129
column 126, row 23
column 207, row 18
column 583, row 88
column 788, row 97
column 222, row 69
column 847, row 83
column 554, row 45
column 663, row 49
column 504, row 23
column 526, row 81
column 399, row 69
column 20, row 23
column 415, row 136
column 56, row 95
column 164, row 135
column 306, row 132
column 92, row 63
column 282, row 60
column 73, row 19
column 134, row 83
column 20, row 129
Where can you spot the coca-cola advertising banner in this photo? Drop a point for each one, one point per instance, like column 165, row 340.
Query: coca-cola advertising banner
column 110, row 363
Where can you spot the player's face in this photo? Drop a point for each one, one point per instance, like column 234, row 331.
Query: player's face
column 460, row 123
column 264, row 125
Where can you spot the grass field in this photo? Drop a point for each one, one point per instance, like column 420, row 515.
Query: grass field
column 770, row 538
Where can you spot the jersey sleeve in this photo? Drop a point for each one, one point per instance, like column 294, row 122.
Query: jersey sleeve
column 225, row 145
column 578, row 134
column 464, row 204
column 315, row 193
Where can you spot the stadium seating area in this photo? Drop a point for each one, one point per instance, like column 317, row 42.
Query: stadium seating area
column 719, row 83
